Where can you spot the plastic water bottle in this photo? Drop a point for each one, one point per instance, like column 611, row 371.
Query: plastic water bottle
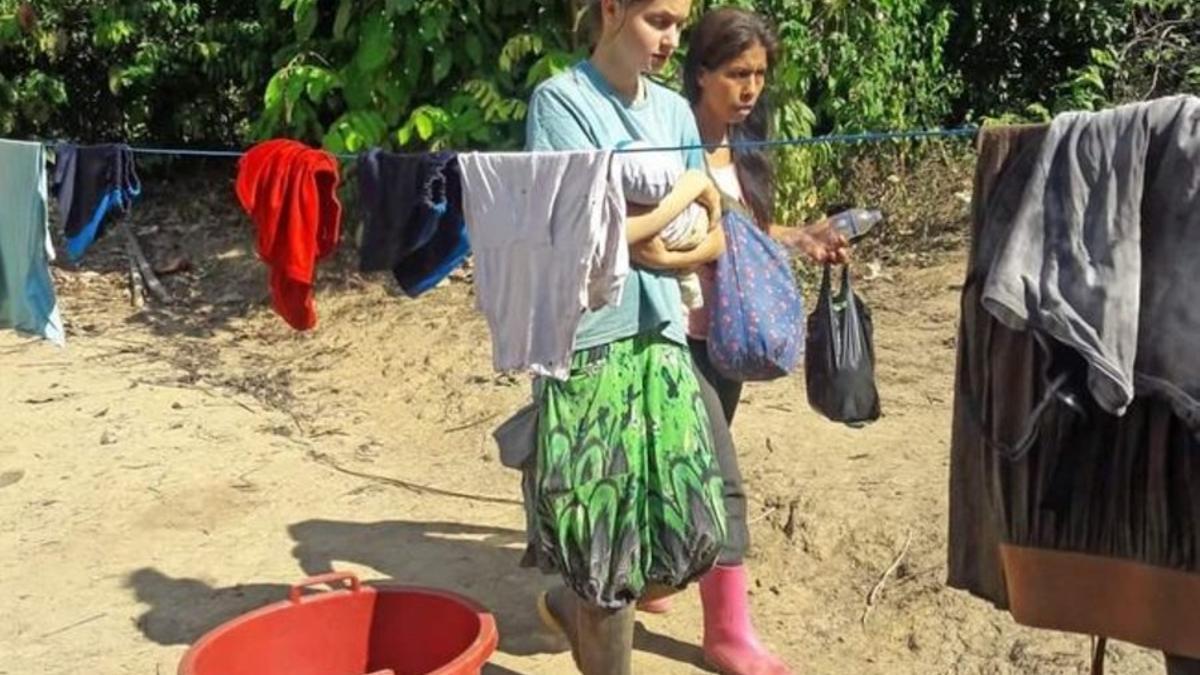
column 854, row 223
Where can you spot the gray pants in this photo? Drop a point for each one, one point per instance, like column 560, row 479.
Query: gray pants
column 720, row 400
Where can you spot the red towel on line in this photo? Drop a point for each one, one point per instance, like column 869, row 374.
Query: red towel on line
column 290, row 192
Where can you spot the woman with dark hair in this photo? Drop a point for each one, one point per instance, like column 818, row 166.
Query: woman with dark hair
column 730, row 55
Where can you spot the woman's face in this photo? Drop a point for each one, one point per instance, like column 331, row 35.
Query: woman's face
column 729, row 92
column 646, row 34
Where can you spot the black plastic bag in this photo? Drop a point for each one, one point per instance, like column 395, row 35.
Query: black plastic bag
column 839, row 357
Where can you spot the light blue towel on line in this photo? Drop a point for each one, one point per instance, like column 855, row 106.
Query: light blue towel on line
column 27, row 300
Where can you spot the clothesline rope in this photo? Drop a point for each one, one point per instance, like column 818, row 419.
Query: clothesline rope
column 828, row 139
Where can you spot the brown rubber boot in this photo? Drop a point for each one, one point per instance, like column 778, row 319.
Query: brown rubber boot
column 601, row 639
column 605, row 640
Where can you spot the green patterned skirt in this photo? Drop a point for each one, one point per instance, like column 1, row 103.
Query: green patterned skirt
column 625, row 490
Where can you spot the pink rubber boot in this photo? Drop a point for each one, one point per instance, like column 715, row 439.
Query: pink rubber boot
column 730, row 644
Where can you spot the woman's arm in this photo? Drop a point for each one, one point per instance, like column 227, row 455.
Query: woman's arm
column 818, row 241
column 550, row 126
column 692, row 186
column 654, row 254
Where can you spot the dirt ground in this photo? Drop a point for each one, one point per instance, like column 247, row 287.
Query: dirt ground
column 173, row 468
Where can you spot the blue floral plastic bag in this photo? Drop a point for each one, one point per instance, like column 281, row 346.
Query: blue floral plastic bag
column 757, row 328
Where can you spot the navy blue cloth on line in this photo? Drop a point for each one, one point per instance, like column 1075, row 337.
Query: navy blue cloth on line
column 90, row 182
column 413, row 220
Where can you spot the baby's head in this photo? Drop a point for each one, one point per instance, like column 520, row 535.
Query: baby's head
column 648, row 175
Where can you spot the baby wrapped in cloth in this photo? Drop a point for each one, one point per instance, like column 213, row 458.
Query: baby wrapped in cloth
column 648, row 177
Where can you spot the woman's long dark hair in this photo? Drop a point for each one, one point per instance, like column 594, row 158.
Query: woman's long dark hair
column 721, row 36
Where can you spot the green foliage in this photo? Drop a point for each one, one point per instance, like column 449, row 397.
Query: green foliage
column 163, row 69
column 1161, row 54
column 1031, row 58
column 415, row 73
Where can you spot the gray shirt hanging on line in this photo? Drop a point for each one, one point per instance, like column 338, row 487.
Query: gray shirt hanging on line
column 548, row 231
column 1104, row 251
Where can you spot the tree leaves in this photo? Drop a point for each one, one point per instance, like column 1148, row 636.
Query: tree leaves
column 435, row 72
column 305, row 16
column 342, row 20
column 375, row 44
column 356, row 131
column 517, row 48
column 443, row 59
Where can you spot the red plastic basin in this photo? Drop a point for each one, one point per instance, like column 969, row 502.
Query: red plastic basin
column 364, row 630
